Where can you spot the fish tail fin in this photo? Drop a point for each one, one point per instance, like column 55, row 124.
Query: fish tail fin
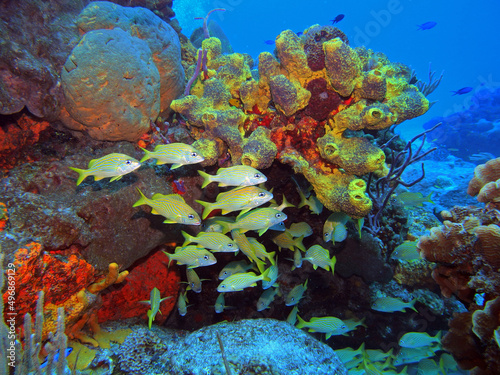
column 142, row 200
column 82, row 174
column 285, row 203
column 298, row 243
column 187, row 238
column 333, row 261
column 226, row 227
column 428, row 198
column 206, row 178
column 207, row 208
column 412, row 305
column 301, row 322
column 170, row 259
column 265, row 275
column 271, row 258
column 147, row 155
column 151, row 318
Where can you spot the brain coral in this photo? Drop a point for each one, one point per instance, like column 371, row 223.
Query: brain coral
column 123, row 73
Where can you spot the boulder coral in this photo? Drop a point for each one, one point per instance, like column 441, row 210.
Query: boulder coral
column 486, row 183
column 123, row 73
column 312, row 94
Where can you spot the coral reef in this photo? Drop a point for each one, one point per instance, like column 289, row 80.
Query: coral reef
column 485, row 183
column 466, row 249
column 316, row 89
column 19, row 133
column 471, row 133
column 121, row 303
column 147, row 72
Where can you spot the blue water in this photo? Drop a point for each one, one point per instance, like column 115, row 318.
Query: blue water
column 464, row 43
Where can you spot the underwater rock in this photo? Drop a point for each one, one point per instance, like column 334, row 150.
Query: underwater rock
column 372, row 267
column 256, row 346
column 97, row 217
column 36, row 38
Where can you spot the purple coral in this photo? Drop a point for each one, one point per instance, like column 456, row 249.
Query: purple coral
column 323, row 100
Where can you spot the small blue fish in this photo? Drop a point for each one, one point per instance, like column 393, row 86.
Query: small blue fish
column 56, row 357
column 299, row 33
column 337, row 19
column 462, row 91
column 269, row 42
column 427, row 25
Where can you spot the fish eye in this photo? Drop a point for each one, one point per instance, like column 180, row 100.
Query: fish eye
column 222, row 286
column 278, row 216
column 128, row 162
column 205, row 257
column 194, row 154
column 229, row 245
column 257, row 175
column 191, row 216
column 262, row 195
column 192, row 285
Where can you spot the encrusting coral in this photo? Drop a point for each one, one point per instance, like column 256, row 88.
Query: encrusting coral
column 305, row 99
column 466, row 250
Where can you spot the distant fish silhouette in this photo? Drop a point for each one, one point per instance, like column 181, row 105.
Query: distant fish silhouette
column 269, row 42
column 463, row 90
column 337, row 19
column 427, row 25
column 299, row 33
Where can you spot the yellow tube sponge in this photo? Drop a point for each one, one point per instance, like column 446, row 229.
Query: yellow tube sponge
column 343, row 66
column 293, row 59
column 337, row 191
column 288, row 97
column 355, row 155
column 363, row 116
column 258, row 151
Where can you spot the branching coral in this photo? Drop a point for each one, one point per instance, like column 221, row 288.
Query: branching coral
column 385, row 186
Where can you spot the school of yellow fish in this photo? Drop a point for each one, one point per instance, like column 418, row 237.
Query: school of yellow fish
column 247, row 198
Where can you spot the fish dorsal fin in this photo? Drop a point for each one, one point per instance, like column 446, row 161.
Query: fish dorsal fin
column 175, row 197
column 92, row 163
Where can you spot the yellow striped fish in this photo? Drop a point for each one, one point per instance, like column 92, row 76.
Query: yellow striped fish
column 177, row 154
column 334, row 227
column 192, row 256
column 193, row 280
column 239, row 175
column 172, row 207
column 237, row 266
column 273, row 276
column 318, row 256
column 113, row 165
column 390, row 304
column 260, row 250
column 258, row 219
column 285, row 240
column 240, row 281
column 266, row 298
column 246, row 248
column 300, row 229
column 327, row 324
column 217, row 242
column 239, row 199
column 296, row 294
column 419, row 339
